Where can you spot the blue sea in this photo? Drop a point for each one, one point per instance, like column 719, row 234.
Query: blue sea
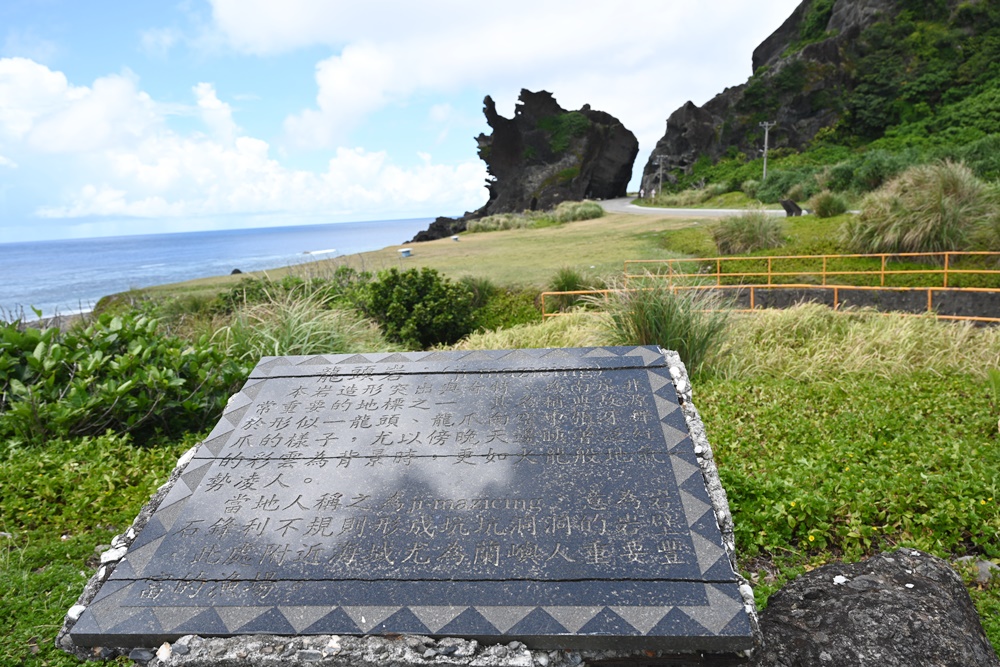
column 64, row 277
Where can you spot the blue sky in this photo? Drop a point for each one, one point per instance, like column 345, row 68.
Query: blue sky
column 143, row 117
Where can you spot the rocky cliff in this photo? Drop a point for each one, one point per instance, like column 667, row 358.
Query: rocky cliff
column 545, row 155
column 803, row 76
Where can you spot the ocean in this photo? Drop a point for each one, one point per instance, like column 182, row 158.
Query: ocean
column 69, row 276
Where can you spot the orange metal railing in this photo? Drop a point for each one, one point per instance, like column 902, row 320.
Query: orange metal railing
column 947, row 267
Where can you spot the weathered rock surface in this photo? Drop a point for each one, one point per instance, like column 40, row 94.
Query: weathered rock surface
column 441, row 228
column 901, row 608
column 796, row 87
column 545, row 155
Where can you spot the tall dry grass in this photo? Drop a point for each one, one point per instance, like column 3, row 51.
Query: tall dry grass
column 928, row 208
column 747, row 232
column 288, row 324
column 691, row 322
column 811, row 342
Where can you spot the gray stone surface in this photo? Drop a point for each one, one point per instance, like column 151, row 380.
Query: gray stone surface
column 562, row 498
column 897, row 609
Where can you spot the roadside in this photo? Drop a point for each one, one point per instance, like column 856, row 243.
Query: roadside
column 625, row 205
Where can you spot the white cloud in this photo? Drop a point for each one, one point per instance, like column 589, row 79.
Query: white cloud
column 216, row 114
column 26, row 44
column 111, row 112
column 29, row 91
column 639, row 62
column 157, row 42
column 119, row 157
column 7, row 162
column 172, row 176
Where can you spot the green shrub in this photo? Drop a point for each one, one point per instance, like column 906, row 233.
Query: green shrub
column 418, row 308
column 693, row 322
column 563, row 128
column 747, row 232
column 784, row 183
column 750, row 187
column 482, row 289
column 118, row 373
column 827, row 204
column 928, row 208
column 289, row 324
column 507, row 308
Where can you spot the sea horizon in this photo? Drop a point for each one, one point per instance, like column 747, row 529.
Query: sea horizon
column 69, row 276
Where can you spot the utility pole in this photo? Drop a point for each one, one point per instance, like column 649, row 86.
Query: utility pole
column 659, row 163
column 767, row 125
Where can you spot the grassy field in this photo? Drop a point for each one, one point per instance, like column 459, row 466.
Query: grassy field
column 838, row 435
column 527, row 257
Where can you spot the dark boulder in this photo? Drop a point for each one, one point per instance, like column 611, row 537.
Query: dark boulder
column 792, row 209
column 898, row 609
column 441, row 228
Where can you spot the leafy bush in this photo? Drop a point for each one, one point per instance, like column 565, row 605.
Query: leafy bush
column 827, row 204
column 507, row 308
column 693, row 322
column 750, row 187
column 292, row 324
column 118, row 373
column 928, row 208
column 781, row 183
column 419, row 308
column 753, row 230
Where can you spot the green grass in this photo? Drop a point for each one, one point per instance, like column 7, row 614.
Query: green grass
column 882, row 431
column 58, row 503
column 812, row 235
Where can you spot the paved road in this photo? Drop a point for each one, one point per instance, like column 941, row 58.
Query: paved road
column 625, row 205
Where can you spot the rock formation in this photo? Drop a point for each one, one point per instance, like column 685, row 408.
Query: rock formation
column 800, row 73
column 545, row 155
column 897, row 609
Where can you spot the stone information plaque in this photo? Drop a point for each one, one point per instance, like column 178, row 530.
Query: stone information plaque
column 553, row 497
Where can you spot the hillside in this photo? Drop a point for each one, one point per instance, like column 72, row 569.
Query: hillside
column 904, row 80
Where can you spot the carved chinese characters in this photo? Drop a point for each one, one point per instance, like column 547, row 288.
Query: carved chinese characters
column 562, row 482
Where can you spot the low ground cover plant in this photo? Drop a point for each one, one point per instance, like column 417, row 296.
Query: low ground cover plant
column 829, row 443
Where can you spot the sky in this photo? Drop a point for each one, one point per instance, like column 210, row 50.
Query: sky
column 143, row 117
